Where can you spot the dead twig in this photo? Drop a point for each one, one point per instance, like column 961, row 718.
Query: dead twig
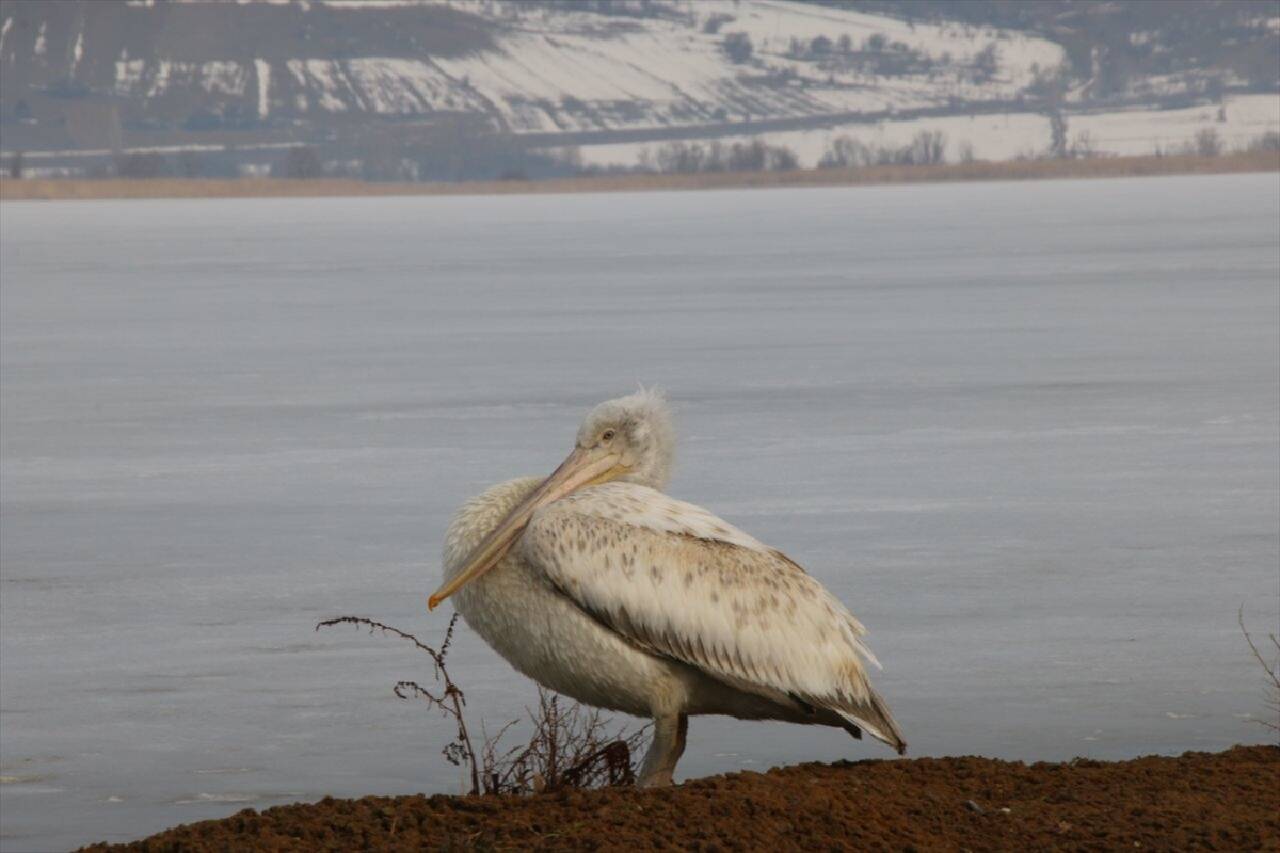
column 1272, row 671
column 450, row 701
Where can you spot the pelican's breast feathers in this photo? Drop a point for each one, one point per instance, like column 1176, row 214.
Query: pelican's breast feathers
column 676, row 580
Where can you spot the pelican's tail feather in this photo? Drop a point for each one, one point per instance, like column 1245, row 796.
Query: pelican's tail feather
column 872, row 715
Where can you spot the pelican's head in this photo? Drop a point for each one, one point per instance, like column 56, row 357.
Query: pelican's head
column 636, row 429
column 627, row 439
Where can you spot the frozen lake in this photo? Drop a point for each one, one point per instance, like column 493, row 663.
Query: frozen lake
column 1029, row 432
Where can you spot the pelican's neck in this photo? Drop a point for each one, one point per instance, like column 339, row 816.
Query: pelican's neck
column 479, row 517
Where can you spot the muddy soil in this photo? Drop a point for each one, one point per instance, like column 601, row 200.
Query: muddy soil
column 1198, row 801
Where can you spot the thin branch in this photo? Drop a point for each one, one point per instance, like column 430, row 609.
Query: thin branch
column 450, row 702
column 372, row 625
column 1272, row 671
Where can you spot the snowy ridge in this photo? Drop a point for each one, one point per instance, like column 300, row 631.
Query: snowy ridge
column 575, row 70
column 565, row 70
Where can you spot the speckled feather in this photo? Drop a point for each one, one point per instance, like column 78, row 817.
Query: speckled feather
column 682, row 583
column 547, row 636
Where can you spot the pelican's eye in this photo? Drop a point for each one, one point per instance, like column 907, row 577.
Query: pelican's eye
column 607, row 435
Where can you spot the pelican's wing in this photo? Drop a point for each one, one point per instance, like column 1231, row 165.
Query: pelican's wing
column 676, row 580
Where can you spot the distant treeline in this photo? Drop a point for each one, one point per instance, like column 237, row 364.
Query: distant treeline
column 1038, row 169
column 498, row 158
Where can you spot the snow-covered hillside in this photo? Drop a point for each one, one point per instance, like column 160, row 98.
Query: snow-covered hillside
column 526, row 67
column 365, row 79
column 558, row 69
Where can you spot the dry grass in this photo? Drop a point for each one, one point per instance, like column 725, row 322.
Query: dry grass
column 1102, row 167
column 572, row 746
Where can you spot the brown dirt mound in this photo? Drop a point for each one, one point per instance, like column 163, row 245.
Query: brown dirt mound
column 1223, row 801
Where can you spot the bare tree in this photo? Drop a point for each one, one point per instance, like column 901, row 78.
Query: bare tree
column 302, row 162
column 1082, row 146
column 1269, row 141
column 738, row 47
column 680, row 157
column 1058, row 146
column 782, row 159
column 986, row 63
column 1208, row 143
column 687, row 158
column 929, row 147
column 748, row 156
column 646, row 160
column 714, row 22
column 844, row 152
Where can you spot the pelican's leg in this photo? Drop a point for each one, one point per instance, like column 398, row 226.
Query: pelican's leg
column 669, row 732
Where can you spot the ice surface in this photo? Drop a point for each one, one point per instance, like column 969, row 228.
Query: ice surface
column 1029, row 432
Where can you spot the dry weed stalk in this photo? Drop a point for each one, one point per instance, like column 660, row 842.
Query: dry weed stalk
column 450, row 701
column 1272, row 671
column 570, row 747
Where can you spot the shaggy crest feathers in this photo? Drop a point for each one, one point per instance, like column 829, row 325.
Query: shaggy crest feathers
column 645, row 418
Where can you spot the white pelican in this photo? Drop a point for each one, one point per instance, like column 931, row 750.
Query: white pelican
column 598, row 586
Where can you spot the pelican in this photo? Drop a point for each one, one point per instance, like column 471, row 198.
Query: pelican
column 598, row 586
